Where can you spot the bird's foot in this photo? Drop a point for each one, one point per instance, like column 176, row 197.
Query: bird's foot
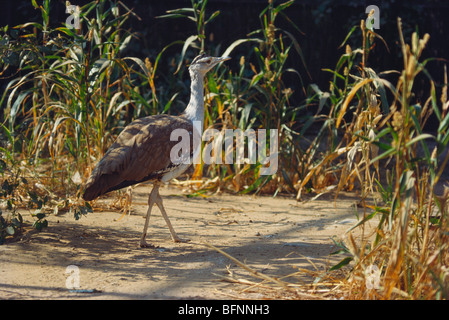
column 180, row 240
column 144, row 244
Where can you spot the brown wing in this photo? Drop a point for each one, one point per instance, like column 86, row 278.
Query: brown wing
column 140, row 153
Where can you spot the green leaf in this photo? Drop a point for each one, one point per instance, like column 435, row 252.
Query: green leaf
column 298, row 50
column 213, row 16
column 34, row 24
column 341, row 264
column 387, row 153
column 444, row 124
column 19, row 217
column 259, row 183
column 169, row 103
column 237, row 43
column 88, row 208
column 187, row 44
column 283, row 6
column 39, row 215
column 69, row 32
column 433, row 96
column 419, row 138
column 40, row 224
column 177, row 13
column 140, row 64
column 368, row 217
column 245, row 115
column 171, row 15
column 348, row 36
column 10, row 230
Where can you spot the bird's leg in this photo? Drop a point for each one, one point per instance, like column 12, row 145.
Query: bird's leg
column 151, row 201
column 167, row 220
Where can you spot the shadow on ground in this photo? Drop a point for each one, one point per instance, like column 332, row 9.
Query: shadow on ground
column 271, row 235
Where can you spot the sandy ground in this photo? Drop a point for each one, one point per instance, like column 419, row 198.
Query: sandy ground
column 271, row 235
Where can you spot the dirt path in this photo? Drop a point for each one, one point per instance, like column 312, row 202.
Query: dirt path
column 271, row 235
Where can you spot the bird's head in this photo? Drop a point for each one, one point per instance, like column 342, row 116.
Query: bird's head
column 203, row 63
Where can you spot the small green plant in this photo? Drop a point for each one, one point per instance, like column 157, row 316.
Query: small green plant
column 9, row 226
column 13, row 189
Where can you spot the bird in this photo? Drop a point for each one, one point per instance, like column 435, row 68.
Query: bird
column 142, row 150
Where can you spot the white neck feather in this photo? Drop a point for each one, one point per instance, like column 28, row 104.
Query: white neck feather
column 195, row 108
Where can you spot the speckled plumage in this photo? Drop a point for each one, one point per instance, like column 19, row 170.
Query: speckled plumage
column 140, row 153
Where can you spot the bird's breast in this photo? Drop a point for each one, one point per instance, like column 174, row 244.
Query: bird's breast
column 174, row 172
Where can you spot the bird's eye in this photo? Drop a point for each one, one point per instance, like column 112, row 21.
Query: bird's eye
column 208, row 61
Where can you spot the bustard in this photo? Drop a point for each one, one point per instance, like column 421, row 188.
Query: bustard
column 142, row 150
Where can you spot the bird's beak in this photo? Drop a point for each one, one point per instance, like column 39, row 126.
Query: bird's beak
column 221, row 59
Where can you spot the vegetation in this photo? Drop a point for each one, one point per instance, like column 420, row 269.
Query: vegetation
column 72, row 90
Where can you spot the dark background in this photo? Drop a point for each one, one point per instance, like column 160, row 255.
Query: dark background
column 324, row 24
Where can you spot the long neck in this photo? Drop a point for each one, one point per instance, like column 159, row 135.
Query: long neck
column 195, row 108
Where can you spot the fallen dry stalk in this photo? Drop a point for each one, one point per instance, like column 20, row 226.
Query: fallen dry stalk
column 256, row 273
column 293, row 288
